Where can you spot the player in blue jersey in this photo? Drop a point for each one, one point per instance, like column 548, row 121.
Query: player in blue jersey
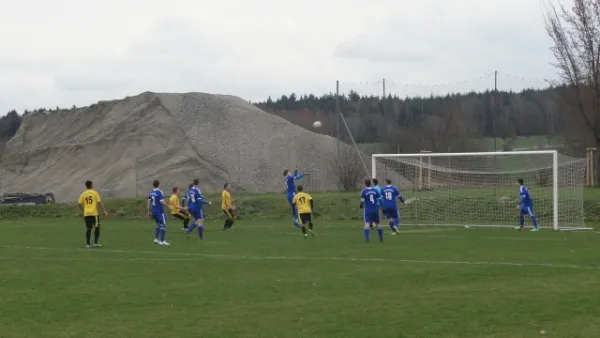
column 378, row 188
column 290, row 184
column 156, row 201
column 196, row 203
column 389, row 194
column 369, row 202
column 526, row 207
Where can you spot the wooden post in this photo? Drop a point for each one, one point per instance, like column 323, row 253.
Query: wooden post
column 590, row 177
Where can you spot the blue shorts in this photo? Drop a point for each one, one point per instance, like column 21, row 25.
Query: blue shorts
column 197, row 214
column 372, row 216
column 527, row 210
column 160, row 218
column 390, row 213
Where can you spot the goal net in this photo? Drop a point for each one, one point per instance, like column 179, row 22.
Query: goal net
column 479, row 189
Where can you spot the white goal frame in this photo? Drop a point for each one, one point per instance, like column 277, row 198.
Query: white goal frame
column 555, row 167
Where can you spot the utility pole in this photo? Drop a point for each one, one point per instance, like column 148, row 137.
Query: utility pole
column 337, row 117
column 494, row 109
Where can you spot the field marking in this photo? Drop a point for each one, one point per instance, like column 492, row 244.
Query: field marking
column 244, row 257
column 416, row 231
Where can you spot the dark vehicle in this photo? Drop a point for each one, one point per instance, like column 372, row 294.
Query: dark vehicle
column 27, row 199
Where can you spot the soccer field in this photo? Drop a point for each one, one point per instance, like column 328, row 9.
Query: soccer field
column 264, row 280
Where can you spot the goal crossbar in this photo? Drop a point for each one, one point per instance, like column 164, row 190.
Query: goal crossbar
column 555, row 171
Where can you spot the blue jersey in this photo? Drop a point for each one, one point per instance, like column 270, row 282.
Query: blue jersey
column 194, row 199
column 155, row 198
column 369, row 199
column 290, row 182
column 526, row 200
column 389, row 194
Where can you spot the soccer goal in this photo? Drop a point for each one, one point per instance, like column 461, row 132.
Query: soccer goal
column 479, row 189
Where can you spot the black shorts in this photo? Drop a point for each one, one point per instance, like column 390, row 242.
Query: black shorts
column 229, row 213
column 305, row 218
column 91, row 221
column 181, row 216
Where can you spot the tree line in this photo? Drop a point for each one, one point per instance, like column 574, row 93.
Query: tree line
column 453, row 122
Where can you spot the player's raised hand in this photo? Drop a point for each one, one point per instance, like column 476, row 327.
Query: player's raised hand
column 105, row 213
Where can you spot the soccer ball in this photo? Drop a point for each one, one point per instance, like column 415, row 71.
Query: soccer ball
column 317, row 124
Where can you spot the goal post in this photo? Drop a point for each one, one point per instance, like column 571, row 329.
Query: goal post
column 479, row 188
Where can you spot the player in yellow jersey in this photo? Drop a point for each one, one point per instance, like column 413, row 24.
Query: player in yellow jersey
column 177, row 210
column 88, row 204
column 228, row 207
column 304, row 204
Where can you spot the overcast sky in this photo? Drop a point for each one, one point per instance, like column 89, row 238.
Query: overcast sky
column 66, row 52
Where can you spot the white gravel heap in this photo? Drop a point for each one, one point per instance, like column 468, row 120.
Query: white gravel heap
column 123, row 145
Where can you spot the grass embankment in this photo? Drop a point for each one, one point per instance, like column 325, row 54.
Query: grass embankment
column 478, row 205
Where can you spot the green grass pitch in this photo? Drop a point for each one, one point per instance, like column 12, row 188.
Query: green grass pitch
column 264, row 280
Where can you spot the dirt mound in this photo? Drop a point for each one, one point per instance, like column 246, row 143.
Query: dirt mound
column 125, row 144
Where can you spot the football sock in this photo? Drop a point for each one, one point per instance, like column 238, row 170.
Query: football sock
column 226, row 224
column 534, row 221
column 310, row 225
column 163, row 233
column 191, row 228
column 392, row 225
column 230, row 224
column 521, row 220
column 157, row 232
column 367, row 234
column 380, row 233
column 303, row 229
column 186, row 223
column 201, row 231
column 96, row 235
column 88, row 235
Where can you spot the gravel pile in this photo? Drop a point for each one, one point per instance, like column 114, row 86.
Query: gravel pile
column 125, row 144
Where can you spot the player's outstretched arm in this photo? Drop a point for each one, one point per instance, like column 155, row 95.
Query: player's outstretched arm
column 312, row 205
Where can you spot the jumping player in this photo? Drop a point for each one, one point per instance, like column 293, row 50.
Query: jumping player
column 526, row 207
column 388, row 203
column 305, row 206
column 290, row 184
column 156, row 201
column 369, row 201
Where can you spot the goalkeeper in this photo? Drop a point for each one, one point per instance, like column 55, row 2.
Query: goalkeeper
column 525, row 206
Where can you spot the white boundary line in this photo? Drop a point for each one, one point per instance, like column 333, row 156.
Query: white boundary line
column 243, row 257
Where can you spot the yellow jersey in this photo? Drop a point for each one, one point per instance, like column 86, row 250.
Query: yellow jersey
column 89, row 199
column 174, row 204
column 302, row 202
column 225, row 200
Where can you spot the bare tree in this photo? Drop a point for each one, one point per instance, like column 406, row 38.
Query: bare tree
column 348, row 168
column 575, row 34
